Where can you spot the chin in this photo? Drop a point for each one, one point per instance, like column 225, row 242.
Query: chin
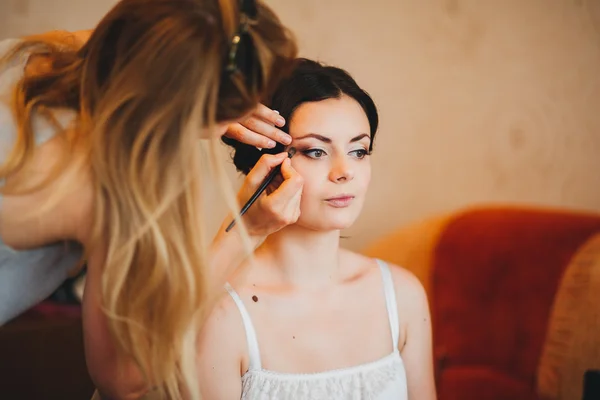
column 330, row 223
column 324, row 219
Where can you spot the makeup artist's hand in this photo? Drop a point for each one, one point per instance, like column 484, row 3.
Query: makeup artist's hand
column 260, row 129
column 276, row 208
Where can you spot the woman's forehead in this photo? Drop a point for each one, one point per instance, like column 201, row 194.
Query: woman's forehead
column 334, row 118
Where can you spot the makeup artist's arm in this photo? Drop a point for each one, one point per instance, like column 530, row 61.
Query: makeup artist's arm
column 417, row 351
column 269, row 214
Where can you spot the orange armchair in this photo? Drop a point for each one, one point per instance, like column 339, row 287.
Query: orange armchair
column 491, row 274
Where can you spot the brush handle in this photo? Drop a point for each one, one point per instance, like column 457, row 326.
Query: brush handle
column 263, row 186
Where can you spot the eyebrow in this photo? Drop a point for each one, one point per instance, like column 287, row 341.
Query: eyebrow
column 328, row 140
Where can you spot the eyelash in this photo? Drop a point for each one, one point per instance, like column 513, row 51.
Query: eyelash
column 310, row 153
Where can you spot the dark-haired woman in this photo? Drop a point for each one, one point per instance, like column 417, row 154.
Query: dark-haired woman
column 311, row 320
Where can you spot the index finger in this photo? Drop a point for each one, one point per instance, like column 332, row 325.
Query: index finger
column 263, row 167
column 266, row 114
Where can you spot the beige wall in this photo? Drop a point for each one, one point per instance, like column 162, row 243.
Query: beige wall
column 480, row 100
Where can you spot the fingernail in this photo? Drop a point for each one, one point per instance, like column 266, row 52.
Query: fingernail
column 270, row 144
column 286, row 139
column 280, row 121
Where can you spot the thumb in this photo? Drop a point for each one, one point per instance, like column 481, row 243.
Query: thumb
column 262, row 168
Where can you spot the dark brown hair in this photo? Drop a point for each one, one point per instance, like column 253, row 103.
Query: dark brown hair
column 310, row 81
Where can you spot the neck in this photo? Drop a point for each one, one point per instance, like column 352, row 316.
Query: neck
column 303, row 257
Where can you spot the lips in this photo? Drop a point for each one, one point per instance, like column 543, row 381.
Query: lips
column 340, row 201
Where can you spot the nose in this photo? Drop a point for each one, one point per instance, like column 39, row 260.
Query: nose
column 341, row 170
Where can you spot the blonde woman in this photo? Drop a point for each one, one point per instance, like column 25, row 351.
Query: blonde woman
column 99, row 145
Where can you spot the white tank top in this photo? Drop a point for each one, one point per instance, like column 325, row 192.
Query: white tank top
column 384, row 379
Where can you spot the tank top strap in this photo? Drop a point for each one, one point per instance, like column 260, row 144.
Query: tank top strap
column 390, row 302
column 253, row 350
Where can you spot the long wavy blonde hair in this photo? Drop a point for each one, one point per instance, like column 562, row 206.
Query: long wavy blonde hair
column 146, row 86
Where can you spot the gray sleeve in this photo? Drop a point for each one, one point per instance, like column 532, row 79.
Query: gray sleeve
column 28, row 277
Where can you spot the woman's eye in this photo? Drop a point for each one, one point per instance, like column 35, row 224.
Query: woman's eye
column 360, row 154
column 314, row 153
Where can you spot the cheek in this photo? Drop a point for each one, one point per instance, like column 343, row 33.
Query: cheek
column 315, row 176
column 312, row 189
column 366, row 181
column 362, row 178
column 313, row 172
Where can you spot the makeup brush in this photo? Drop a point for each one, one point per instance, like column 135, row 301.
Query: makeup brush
column 263, row 186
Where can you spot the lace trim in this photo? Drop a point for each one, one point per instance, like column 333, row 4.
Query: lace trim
column 362, row 382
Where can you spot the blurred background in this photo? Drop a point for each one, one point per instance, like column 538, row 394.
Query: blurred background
column 480, row 100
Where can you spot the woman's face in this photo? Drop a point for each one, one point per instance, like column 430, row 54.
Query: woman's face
column 332, row 138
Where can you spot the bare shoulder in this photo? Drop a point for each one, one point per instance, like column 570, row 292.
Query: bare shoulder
column 221, row 351
column 225, row 321
column 415, row 342
column 222, row 338
column 407, row 284
column 411, row 297
column 45, row 208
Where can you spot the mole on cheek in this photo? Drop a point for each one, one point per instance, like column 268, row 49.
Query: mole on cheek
column 255, row 299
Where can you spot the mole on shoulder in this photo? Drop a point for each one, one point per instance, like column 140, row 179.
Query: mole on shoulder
column 255, row 299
